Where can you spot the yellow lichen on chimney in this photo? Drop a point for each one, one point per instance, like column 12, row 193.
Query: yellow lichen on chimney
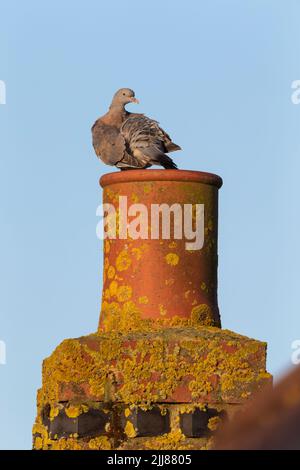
column 130, row 429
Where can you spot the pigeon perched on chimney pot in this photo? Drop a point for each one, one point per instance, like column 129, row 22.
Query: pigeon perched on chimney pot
column 131, row 140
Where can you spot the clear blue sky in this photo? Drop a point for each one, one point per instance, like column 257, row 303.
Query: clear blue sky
column 217, row 74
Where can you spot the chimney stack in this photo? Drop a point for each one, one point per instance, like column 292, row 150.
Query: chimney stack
column 159, row 373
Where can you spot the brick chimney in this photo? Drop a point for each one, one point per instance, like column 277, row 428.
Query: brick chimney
column 159, row 373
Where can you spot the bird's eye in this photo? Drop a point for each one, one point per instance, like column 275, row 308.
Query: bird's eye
column 124, row 94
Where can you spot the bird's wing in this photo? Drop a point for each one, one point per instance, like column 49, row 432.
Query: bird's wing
column 146, row 141
column 108, row 143
column 169, row 145
column 130, row 161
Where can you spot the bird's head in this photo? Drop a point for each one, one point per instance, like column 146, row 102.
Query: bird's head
column 124, row 96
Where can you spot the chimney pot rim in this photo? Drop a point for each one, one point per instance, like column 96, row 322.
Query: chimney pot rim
column 190, row 176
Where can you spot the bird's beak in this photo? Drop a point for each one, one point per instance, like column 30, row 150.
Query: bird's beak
column 134, row 100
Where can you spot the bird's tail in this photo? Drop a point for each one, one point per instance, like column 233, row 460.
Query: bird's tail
column 158, row 157
column 167, row 162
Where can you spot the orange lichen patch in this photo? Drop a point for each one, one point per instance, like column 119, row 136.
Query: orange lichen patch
column 202, row 314
column 127, row 317
column 124, row 293
column 213, row 423
column 73, row 411
column 40, row 430
column 38, row 443
column 66, row 444
column 112, row 313
column 143, row 300
column 123, row 261
column 145, row 443
column 172, row 440
column 100, row 443
column 111, row 272
column 172, row 259
column 113, row 288
column 190, row 408
column 130, row 429
column 124, row 317
column 200, row 388
column 54, row 411
column 67, row 364
column 106, row 294
column 162, row 309
column 263, row 375
column 127, row 412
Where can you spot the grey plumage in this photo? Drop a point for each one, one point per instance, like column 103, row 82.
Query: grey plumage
column 130, row 140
